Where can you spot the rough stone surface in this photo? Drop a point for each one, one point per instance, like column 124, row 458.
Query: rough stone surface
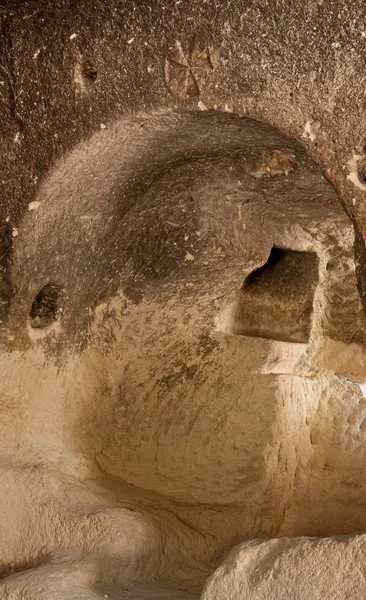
column 69, row 68
column 292, row 569
column 72, row 576
column 182, row 270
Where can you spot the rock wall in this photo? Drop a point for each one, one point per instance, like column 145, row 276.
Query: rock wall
column 291, row 568
column 182, row 275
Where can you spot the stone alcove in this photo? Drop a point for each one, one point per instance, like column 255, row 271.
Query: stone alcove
column 276, row 300
column 95, row 312
column 136, row 276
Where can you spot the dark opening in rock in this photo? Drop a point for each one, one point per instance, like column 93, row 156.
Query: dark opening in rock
column 46, row 306
column 361, row 170
column 276, row 300
column 90, row 74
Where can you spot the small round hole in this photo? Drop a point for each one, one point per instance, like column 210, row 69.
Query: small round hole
column 46, row 306
column 89, row 73
column 85, row 76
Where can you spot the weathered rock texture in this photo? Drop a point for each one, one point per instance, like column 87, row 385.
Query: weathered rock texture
column 292, row 569
column 182, row 276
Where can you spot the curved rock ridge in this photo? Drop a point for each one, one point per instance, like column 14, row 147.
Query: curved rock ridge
column 303, row 568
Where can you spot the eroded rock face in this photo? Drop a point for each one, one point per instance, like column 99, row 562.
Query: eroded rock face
column 291, row 568
column 182, row 337
column 183, row 351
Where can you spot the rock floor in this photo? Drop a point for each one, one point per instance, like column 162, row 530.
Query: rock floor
column 150, row 591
